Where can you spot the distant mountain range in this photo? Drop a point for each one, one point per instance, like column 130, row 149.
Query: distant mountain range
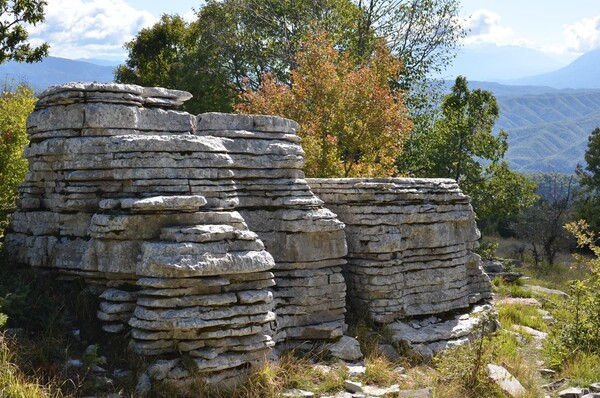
column 584, row 72
column 548, row 132
column 548, row 123
column 489, row 62
column 53, row 70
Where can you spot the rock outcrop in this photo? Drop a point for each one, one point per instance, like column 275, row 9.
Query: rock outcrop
column 152, row 206
column 410, row 245
column 196, row 230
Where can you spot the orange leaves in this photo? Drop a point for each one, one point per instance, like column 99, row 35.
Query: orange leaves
column 353, row 123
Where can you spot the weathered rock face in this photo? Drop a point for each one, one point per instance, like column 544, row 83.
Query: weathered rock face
column 197, row 230
column 409, row 247
column 141, row 201
column 306, row 240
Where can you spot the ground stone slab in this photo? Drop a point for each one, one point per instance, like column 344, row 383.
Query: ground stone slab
column 507, row 382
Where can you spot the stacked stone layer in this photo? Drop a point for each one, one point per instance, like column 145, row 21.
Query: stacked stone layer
column 97, row 150
column 409, row 243
column 306, row 240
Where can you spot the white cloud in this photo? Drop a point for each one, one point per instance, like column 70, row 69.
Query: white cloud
column 89, row 28
column 584, row 35
column 485, row 26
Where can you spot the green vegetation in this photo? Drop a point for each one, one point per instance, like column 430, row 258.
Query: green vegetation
column 232, row 44
column 15, row 106
column 460, row 145
column 548, row 132
column 578, row 319
column 16, row 14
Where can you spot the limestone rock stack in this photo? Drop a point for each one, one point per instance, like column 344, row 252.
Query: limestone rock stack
column 306, row 240
column 122, row 192
column 409, row 243
column 197, row 230
column 112, row 167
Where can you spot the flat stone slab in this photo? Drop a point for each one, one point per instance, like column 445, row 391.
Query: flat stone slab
column 507, row 382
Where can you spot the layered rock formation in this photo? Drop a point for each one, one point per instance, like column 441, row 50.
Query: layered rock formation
column 409, row 249
column 141, row 200
column 197, row 230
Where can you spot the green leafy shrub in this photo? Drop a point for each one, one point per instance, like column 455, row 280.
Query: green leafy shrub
column 15, row 106
column 577, row 327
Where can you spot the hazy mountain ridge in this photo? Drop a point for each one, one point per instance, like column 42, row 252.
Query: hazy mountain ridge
column 581, row 73
column 549, row 132
column 53, row 70
column 485, row 61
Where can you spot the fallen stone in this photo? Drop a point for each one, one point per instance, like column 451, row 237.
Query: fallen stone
column 555, row 385
column 547, row 372
column 595, row 387
column 355, row 370
column 353, row 386
column 536, row 334
column 545, row 290
column 573, row 392
column 297, row 393
column 388, row 351
column 373, row 391
column 346, row 348
column 507, row 382
column 143, row 386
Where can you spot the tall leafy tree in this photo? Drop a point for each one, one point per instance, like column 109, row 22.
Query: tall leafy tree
column 15, row 106
column 234, row 43
column 424, row 33
column 230, row 45
column 462, row 146
column 352, row 123
column 13, row 35
column 177, row 54
column 588, row 198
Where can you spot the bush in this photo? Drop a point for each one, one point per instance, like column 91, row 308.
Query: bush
column 577, row 328
column 15, row 106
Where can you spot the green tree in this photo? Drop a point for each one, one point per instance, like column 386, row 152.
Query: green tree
column 588, row 198
column 230, row 46
column 423, row 33
column 352, row 123
column 233, row 43
column 542, row 224
column 462, row 146
column 176, row 54
column 13, row 35
column 15, row 106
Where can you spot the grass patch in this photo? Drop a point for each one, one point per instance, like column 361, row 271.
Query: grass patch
column 514, row 289
column 520, row 314
column 14, row 383
column 381, row 372
column 582, row 369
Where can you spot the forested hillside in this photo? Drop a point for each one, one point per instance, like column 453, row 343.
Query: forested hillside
column 548, row 132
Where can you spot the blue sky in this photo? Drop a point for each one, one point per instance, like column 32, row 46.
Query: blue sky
column 553, row 26
column 98, row 28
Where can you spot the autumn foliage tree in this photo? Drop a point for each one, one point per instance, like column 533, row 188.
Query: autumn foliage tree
column 352, row 122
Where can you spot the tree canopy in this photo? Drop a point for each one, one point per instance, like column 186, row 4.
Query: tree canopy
column 352, row 123
column 234, row 43
column 588, row 198
column 13, row 35
column 461, row 145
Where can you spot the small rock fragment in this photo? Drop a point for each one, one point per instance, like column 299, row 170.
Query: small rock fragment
column 353, row 386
